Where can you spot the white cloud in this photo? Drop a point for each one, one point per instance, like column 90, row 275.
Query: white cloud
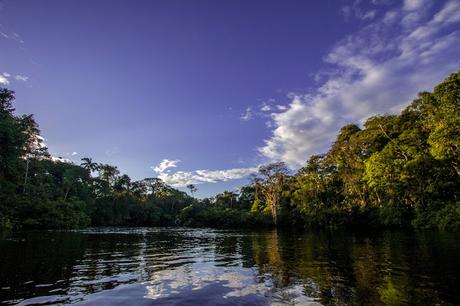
column 5, row 76
column 281, row 107
column 4, row 80
column 74, row 153
column 411, row 5
column 5, row 33
column 213, row 176
column 377, row 71
column 183, row 178
column 390, row 17
column 353, row 9
column 165, row 164
column 369, row 15
column 60, row 159
column 262, row 110
column 247, row 115
column 265, row 108
column 21, row 78
column 449, row 14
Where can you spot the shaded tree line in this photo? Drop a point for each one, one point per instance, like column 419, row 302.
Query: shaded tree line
column 394, row 171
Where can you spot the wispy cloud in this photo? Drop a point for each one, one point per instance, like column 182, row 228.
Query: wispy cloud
column 5, row 78
column 6, row 34
column 353, row 9
column 183, row 178
column 247, row 115
column 411, row 5
column 23, row 78
column 165, row 164
column 263, row 110
column 377, row 70
column 112, row 151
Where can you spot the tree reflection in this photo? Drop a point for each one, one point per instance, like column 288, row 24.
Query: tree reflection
column 342, row 269
column 333, row 268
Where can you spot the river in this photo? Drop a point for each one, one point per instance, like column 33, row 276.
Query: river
column 183, row 266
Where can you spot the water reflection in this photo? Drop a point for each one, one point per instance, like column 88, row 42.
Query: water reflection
column 201, row 266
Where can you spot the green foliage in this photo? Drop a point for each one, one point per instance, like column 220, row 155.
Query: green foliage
column 217, row 217
column 397, row 171
column 449, row 217
column 394, row 171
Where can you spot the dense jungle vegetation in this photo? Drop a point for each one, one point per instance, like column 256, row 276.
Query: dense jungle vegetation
column 394, row 171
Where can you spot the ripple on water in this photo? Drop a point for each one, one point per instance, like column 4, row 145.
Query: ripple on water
column 209, row 267
column 203, row 285
column 45, row 300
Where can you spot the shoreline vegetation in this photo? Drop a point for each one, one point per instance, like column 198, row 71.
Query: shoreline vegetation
column 396, row 171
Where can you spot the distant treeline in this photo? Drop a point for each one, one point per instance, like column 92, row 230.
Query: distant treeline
column 397, row 171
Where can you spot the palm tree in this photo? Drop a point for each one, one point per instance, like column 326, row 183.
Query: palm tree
column 88, row 164
column 123, row 182
column 108, row 173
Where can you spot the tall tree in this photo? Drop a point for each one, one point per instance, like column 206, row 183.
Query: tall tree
column 192, row 189
column 270, row 183
column 89, row 165
column 108, row 173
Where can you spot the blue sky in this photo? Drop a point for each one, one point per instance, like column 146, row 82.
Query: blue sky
column 205, row 91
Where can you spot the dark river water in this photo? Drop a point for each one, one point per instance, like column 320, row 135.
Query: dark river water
column 181, row 266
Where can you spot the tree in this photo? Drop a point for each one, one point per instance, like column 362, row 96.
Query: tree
column 246, row 197
column 192, row 189
column 108, row 173
column 395, row 170
column 6, row 101
column 89, row 165
column 226, row 199
column 444, row 121
column 34, row 146
column 123, row 183
column 71, row 176
column 270, row 183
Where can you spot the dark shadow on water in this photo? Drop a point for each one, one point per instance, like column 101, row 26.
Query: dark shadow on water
column 199, row 266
